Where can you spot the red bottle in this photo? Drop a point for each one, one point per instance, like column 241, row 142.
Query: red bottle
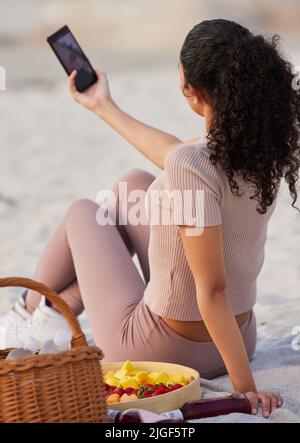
column 189, row 411
column 139, row 416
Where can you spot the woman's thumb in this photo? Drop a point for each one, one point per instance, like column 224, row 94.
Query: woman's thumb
column 101, row 74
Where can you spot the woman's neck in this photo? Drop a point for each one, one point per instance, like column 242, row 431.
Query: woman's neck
column 208, row 117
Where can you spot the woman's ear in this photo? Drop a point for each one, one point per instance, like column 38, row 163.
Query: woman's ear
column 187, row 91
column 195, row 95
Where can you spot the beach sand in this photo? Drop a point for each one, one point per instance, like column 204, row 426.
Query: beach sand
column 54, row 152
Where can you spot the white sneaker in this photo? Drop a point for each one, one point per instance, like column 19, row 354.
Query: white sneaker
column 12, row 321
column 45, row 324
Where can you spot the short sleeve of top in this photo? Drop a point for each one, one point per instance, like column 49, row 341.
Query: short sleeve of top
column 193, row 186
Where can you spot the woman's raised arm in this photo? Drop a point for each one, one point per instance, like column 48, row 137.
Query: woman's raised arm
column 151, row 142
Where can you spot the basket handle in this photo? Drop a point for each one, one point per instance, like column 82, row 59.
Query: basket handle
column 78, row 337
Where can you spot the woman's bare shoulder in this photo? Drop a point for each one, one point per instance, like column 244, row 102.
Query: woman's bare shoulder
column 193, row 141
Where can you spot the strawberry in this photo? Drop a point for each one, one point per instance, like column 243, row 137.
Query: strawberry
column 177, row 386
column 147, row 393
column 120, row 391
column 161, row 390
column 130, row 391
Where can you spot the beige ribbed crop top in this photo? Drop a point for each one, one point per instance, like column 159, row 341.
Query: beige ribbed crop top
column 170, row 291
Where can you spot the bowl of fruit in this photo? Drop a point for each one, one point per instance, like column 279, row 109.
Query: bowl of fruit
column 153, row 386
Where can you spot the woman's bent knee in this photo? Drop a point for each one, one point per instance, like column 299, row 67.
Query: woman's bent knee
column 81, row 205
column 136, row 178
column 80, row 209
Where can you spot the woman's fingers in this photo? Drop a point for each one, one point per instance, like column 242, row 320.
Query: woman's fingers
column 266, row 404
column 101, row 73
column 253, row 398
column 95, row 95
column 274, row 402
column 269, row 402
column 72, row 85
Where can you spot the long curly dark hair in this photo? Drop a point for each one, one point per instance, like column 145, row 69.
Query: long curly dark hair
column 253, row 92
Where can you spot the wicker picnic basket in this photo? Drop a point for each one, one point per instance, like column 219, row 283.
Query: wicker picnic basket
column 66, row 387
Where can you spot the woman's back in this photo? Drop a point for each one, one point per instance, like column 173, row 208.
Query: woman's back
column 171, row 290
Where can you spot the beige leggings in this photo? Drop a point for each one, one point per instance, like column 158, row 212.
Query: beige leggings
column 91, row 267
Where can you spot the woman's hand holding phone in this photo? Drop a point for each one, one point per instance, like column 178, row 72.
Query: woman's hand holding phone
column 95, row 97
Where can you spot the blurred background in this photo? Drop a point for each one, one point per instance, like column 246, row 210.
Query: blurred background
column 53, row 151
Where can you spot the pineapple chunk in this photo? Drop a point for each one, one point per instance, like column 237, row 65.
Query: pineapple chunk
column 122, row 373
column 113, row 381
column 152, row 377
column 162, row 377
column 129, row 382
column 128, row 366
column 141, row 376
column 178, row 378
column 186, row 379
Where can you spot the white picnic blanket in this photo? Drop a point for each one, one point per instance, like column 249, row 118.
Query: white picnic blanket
column 276, row 367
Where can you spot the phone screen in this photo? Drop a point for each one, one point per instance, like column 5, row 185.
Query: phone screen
column 72, row 57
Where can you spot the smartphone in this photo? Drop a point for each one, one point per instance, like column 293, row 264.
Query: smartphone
column 72, row 57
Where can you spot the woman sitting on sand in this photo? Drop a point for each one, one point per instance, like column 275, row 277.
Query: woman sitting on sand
column 194, row 305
